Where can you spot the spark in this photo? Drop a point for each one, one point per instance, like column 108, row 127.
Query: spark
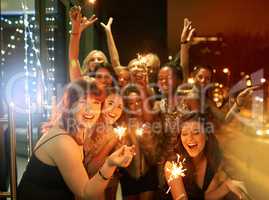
column 139, row 132
column 177, row 170
column 120, row 131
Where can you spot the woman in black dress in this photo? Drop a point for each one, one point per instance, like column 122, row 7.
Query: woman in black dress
column 202, row 180
column 56, row 170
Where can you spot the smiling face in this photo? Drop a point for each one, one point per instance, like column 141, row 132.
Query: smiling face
column 88, row 111
column 166, row 80
column 193, row 138
column 103, row 78
column 123, row 77
column 134, row 104
column 112, row 108
column 94, row 58
column 202, row 77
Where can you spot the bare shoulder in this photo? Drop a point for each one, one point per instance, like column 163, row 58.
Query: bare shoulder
column 62, row 141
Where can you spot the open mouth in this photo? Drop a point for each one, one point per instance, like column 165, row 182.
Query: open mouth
column 192, row 146
column 112, row 115
column 88, row 116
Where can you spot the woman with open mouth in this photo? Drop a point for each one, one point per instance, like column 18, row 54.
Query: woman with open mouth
column 204, row 177
column 102, row 140
column 55, row 170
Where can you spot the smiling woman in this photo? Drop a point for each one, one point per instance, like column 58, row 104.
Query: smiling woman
column 200, row 148
column 55, row 170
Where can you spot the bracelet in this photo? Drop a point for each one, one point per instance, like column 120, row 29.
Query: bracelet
column 237, row 104
column 181, row 196
column 102, row 176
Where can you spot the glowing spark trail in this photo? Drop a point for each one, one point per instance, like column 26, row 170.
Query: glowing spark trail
column 176, row 170
column 120, row 131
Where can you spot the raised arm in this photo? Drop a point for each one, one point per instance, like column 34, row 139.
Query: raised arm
column 240, row 101
column 79, row 24
column 113, row 52
column 185, row 43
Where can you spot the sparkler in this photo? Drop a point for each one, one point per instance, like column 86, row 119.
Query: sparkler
column 120, row 131
column 176, row 170
column 139, row 132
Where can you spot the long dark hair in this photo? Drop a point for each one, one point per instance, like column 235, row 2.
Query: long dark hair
column 211, row 150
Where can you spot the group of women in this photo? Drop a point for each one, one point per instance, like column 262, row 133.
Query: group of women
column 125, row 125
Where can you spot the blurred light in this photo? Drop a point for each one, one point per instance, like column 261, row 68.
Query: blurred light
column 247, row 76
column 92, row 1
column 221, row 86
column 263, row 80
column 216, row 99
column 248, row 83
column 190, row 80
column 214, row 71
column 170, row 57
column 259, row 99
column 225, row 70
column 267, row 131
column 216, row 84
column 259, row 132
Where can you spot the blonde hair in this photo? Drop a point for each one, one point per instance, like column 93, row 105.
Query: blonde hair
column 89, row 56
column 153, row 61
column 137, row 63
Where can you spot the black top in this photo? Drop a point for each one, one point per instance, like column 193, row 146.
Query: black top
column 194, row 192
column 43, row 182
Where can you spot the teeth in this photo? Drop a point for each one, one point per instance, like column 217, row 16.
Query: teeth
column 192, row 145
column 88, row 116
column 111, row 115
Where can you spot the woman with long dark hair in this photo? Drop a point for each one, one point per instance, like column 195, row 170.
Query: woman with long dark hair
column 199, row 146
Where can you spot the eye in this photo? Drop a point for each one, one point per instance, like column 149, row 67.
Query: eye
column 196, row 131
column 184, row 134
column 200, row 77
column 96, row 102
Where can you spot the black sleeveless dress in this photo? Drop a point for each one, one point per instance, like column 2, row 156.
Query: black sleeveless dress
column 42, row 182
column 194, row 192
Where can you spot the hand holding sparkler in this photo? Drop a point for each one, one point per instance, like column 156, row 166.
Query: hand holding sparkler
column 122, row 157
column 174, row 170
